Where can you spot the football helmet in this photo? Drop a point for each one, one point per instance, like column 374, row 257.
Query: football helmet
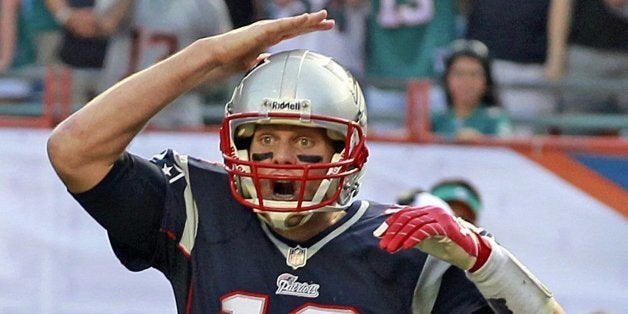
column 301, row 88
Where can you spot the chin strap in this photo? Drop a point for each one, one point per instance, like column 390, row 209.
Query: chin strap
column 285, row 221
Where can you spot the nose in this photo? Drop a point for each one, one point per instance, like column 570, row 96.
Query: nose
column 284, row 154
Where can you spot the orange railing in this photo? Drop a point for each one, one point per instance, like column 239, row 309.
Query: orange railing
column 54, row 106
column 415, row 126
column 417, row 130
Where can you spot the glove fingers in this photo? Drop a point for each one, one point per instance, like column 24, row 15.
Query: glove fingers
column 395, row 223
column 402, row 229
column 426, row 231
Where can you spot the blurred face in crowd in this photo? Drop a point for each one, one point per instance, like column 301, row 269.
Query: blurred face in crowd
column 462, row 210
column 466, row 82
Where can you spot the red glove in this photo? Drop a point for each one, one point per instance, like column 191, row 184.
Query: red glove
column 435, row 232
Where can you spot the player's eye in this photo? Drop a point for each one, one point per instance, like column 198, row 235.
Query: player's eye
column 266, row 139
column 305, row 142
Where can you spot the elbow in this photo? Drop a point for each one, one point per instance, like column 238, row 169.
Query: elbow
column 77, row 156
column 62, row 148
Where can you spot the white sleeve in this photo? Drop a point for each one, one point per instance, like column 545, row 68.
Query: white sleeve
column 508, row 286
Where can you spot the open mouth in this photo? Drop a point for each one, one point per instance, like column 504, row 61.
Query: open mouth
column 283, row 190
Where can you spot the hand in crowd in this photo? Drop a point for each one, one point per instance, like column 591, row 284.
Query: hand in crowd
column 83, row 22
column 469, row 135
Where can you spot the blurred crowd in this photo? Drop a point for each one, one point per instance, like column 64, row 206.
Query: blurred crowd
column 495, row 67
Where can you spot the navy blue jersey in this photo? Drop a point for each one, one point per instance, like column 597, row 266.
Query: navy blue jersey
column 176, row 213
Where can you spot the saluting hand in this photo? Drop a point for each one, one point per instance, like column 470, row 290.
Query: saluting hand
column 240, row 49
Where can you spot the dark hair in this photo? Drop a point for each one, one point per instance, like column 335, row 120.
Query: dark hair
column 477, row 50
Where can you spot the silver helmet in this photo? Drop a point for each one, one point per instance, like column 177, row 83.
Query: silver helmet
column 301, row 88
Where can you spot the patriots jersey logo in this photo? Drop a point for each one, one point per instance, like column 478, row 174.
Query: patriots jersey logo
column 288, row 284
column 173, row 172
column 168, row 167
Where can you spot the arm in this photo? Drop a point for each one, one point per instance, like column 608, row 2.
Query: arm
column 60, row 10
column 83, row 148
column 8, row 32
column 558, row 25
column 80, row 21
column 505, row 283
column 113, row 17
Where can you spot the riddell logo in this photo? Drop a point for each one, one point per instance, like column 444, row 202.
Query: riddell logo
column 287, row 285
column 284, row 105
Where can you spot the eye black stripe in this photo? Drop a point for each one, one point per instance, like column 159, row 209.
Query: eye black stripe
column 262, row 156
column 310, row 158
column 303, row 158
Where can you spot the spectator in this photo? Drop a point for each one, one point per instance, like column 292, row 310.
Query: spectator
column 460, row 195
column 473, row 110
column 245, row 12
column 589, row 42
column 345, row 43
column 405, row 40
column 27, row 34
column 82, row 45
column 516, row 34
column 284, row 8
column 276, row 9
column 151, row 32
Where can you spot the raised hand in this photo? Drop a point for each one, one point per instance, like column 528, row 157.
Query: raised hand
column 434, row 231
column 85, row 146
column 242, row 48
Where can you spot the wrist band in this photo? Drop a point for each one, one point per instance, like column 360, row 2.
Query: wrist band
column 63, row 15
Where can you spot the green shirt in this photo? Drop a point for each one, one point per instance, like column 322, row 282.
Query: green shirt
column 409, row 51
column 488, row 121
column 33, row 18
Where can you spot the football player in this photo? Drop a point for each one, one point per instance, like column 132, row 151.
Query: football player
column 276, row 229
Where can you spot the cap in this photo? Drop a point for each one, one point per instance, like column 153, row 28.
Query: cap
column 458, row 192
